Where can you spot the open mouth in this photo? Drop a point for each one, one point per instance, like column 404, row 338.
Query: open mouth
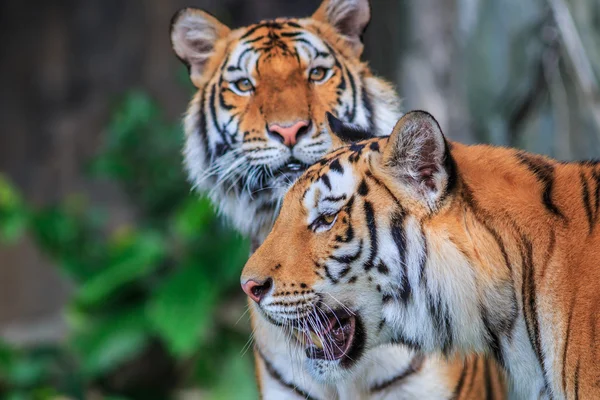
column 331, row 337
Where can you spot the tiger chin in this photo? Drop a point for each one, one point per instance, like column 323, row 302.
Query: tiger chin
column 449, row 249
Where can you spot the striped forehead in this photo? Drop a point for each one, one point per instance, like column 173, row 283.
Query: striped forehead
column 267, row 38
column 333, row 180
column 329, row 192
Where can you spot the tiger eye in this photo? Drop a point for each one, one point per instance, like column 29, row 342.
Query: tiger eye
column 243, row 85
column 317, row 74
column 328, row 219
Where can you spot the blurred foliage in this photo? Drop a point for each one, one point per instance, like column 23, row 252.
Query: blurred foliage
column 143, row 317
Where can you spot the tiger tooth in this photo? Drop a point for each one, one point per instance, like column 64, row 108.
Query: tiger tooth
column 316, row 341
column 300, row 336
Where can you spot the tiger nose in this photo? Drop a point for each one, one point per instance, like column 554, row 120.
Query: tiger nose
column 257, row 290
column 289, row 135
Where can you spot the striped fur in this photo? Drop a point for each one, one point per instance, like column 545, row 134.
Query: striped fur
column 457, row 249
column 230, row 154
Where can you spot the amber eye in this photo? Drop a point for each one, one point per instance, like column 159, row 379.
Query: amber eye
column 328, row 219
column 317, row 74
column 243, row 85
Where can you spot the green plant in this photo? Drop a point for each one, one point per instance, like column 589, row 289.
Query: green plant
column 146, row 294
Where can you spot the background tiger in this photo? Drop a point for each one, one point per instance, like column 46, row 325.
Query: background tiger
column 256, row 122
column 447, row 248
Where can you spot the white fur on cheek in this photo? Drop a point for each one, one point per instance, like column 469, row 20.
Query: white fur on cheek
column 444, row 308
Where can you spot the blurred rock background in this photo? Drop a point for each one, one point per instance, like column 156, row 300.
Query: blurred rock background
column 100, row 233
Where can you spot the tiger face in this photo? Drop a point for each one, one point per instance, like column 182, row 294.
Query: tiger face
column 325, row 273
column 258, row 118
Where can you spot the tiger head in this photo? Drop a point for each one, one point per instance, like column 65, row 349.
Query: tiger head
column 343, row 269
column 258, row 119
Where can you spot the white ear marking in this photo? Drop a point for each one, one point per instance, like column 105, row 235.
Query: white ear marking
column 193, row 37
column 348, row 17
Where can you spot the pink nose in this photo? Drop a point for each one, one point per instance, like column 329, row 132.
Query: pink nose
column 256, row 290
column 289, row 134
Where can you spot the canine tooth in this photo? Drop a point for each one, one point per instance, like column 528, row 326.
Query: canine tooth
column 300, row 336
column 316, row 341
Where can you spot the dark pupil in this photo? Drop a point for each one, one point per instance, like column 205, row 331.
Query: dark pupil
column 316, row 72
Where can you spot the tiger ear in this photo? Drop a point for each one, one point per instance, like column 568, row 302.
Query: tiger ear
column 345, row 132
column 417, row 156
column 349, row 18
column 194, row 34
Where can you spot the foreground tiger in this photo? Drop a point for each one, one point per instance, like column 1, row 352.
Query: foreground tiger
column 255, row 124
column 446, row 248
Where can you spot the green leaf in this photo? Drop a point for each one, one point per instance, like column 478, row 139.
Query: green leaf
column 134, row 262
column 181, row 310
column 13, row 215
column 108, row 342
column 194, row 217
column 245, row 385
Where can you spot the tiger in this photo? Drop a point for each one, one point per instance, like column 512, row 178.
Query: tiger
column 256, row 122
column 448, row 249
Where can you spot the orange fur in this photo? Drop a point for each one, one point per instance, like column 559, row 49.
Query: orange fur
column 509, row 247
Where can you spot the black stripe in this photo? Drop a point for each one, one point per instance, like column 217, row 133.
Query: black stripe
column 415, row 366
column 277, row 376
column 370, row 176
column 350, row 258
column 354, row 101
column 336, row 166
column 252, row 30
column 461, row 381
column 372, row 226
column 335, row 199
column 222, row 99
column 489, row 386
column 363, row 188
column 473, row 375
column 544, row 172
column 441, row 320
column 309, row 44
column 485, row 219
column 256, row 39
column 576, row 380
column 366, row 102
column 399, row 236
column 585, row 196
column 291, row 34
column 326, row 181
column 202, row 126
column 530, row 302
column 213, row 113
column 241, row 56
column 492, row 338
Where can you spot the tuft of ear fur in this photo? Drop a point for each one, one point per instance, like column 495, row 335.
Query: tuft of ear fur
column 349, row 18
column 346, row 132
column 194, row 34
column 417, row 154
